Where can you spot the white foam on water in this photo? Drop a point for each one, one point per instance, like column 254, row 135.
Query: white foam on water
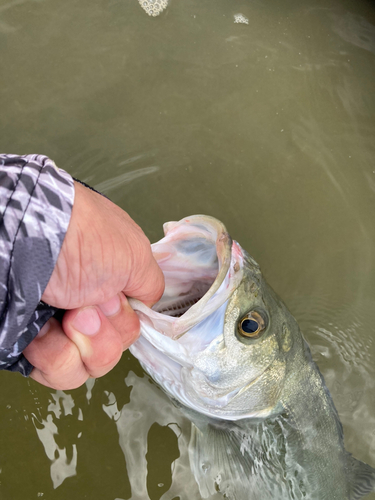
column 241, row 19
column 153, row 7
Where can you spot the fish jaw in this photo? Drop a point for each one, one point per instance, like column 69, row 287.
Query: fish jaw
column 173, row 373
column 169, row 362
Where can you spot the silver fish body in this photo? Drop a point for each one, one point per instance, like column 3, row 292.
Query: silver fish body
column 223, row 345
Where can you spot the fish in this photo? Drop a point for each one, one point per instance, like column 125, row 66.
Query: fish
column 227, row 351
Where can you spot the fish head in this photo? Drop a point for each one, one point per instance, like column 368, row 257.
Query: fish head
column 220, row 341
column 241, row 374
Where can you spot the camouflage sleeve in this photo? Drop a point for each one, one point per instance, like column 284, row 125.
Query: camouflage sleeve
column 36, row 200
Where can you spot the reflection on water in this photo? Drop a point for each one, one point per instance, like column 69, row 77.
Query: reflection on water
column 356, row 30
column 115, row 182
column 134, row 425
column 63, row 458
column 269, row 127
column 61, row 466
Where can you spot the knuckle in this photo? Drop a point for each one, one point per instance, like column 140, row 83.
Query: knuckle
column 104, row 356
column 64, row 361
column 69, row 384
column 109, row 357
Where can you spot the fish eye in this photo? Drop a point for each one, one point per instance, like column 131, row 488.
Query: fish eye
column 252, row 325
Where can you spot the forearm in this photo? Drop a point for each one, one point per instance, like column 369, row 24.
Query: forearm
column 36, row 201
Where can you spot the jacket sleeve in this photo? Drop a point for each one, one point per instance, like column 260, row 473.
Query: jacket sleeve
column 36, row 200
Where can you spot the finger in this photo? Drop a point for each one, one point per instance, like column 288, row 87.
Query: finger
column 56, row 359
column 99, row 343
column 123, row 318
column 146, row 281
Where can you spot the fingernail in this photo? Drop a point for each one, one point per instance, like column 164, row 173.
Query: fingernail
column 44, row 330
column 112, row 306
column 87, row 321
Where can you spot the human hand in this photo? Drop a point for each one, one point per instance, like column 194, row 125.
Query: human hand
column 105, row 257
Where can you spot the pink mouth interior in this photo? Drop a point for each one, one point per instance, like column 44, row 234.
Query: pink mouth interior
column 190, row 267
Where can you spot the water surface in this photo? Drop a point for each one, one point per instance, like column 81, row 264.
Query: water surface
column 268, row 126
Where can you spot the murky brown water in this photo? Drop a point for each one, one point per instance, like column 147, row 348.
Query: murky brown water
column 268, row 126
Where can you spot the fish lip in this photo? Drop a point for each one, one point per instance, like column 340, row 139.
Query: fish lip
column 176, row 327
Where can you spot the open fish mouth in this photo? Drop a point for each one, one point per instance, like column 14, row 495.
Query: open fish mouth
column 201, row 271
